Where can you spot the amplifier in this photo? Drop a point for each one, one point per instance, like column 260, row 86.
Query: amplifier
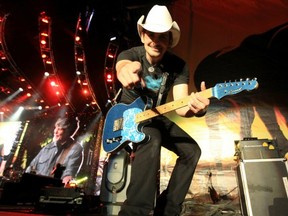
column 263, row 187
column 253, row 148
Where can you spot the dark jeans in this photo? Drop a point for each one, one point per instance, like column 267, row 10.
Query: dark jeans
column 142, row 189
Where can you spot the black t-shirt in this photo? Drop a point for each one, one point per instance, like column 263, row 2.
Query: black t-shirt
column 176, row 68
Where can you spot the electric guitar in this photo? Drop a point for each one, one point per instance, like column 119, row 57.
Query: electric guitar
column 124, row 122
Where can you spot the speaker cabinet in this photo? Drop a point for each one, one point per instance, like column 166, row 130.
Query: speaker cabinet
column 263, row 187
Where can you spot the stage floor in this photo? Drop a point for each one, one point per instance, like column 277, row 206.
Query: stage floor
column 191, row 207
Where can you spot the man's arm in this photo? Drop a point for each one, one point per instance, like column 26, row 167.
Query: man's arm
column 73, row 165
column 33, row 164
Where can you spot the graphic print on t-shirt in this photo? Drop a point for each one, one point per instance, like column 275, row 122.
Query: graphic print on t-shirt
column 153, row 84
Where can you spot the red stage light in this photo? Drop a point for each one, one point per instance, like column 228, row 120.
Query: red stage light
column 43, row 42
column 109, row 77
column 44, row 34
column 53, row 83
column 44, row 55
column 85, row 91
column 110, row 55
column 45, row 20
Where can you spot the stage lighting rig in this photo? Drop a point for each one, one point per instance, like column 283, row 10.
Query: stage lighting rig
column 51, row 74
column 81, row 67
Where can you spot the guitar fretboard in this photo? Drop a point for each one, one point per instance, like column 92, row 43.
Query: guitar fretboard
column 168, row 107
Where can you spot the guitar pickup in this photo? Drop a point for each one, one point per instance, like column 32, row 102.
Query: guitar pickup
column 118, row 124
column 114, row 139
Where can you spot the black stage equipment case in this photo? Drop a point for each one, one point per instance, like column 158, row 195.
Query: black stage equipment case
column 262, row 178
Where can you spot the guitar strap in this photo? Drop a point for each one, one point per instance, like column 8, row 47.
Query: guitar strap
column 131, row 148
column 162, row 88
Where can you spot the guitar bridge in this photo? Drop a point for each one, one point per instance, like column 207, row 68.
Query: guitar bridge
column 114, row 139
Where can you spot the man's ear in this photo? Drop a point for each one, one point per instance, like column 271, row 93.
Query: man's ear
column 142, row 36
column 170, row 38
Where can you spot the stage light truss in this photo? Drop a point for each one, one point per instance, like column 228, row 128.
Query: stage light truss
column 45, row 42
column 81, row 67
column 14, row 79
column 109, row 69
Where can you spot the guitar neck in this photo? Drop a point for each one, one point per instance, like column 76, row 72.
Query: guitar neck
column 168, row 107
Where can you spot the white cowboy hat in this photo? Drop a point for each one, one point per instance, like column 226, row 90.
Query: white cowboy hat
column 159, row 20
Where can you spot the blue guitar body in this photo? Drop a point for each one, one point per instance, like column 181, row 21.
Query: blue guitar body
column 120, row 127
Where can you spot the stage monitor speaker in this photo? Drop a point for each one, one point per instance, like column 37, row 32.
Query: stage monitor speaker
column 263, row 187
column 115, row 180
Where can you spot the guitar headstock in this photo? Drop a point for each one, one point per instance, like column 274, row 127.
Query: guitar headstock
column 221, row 90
